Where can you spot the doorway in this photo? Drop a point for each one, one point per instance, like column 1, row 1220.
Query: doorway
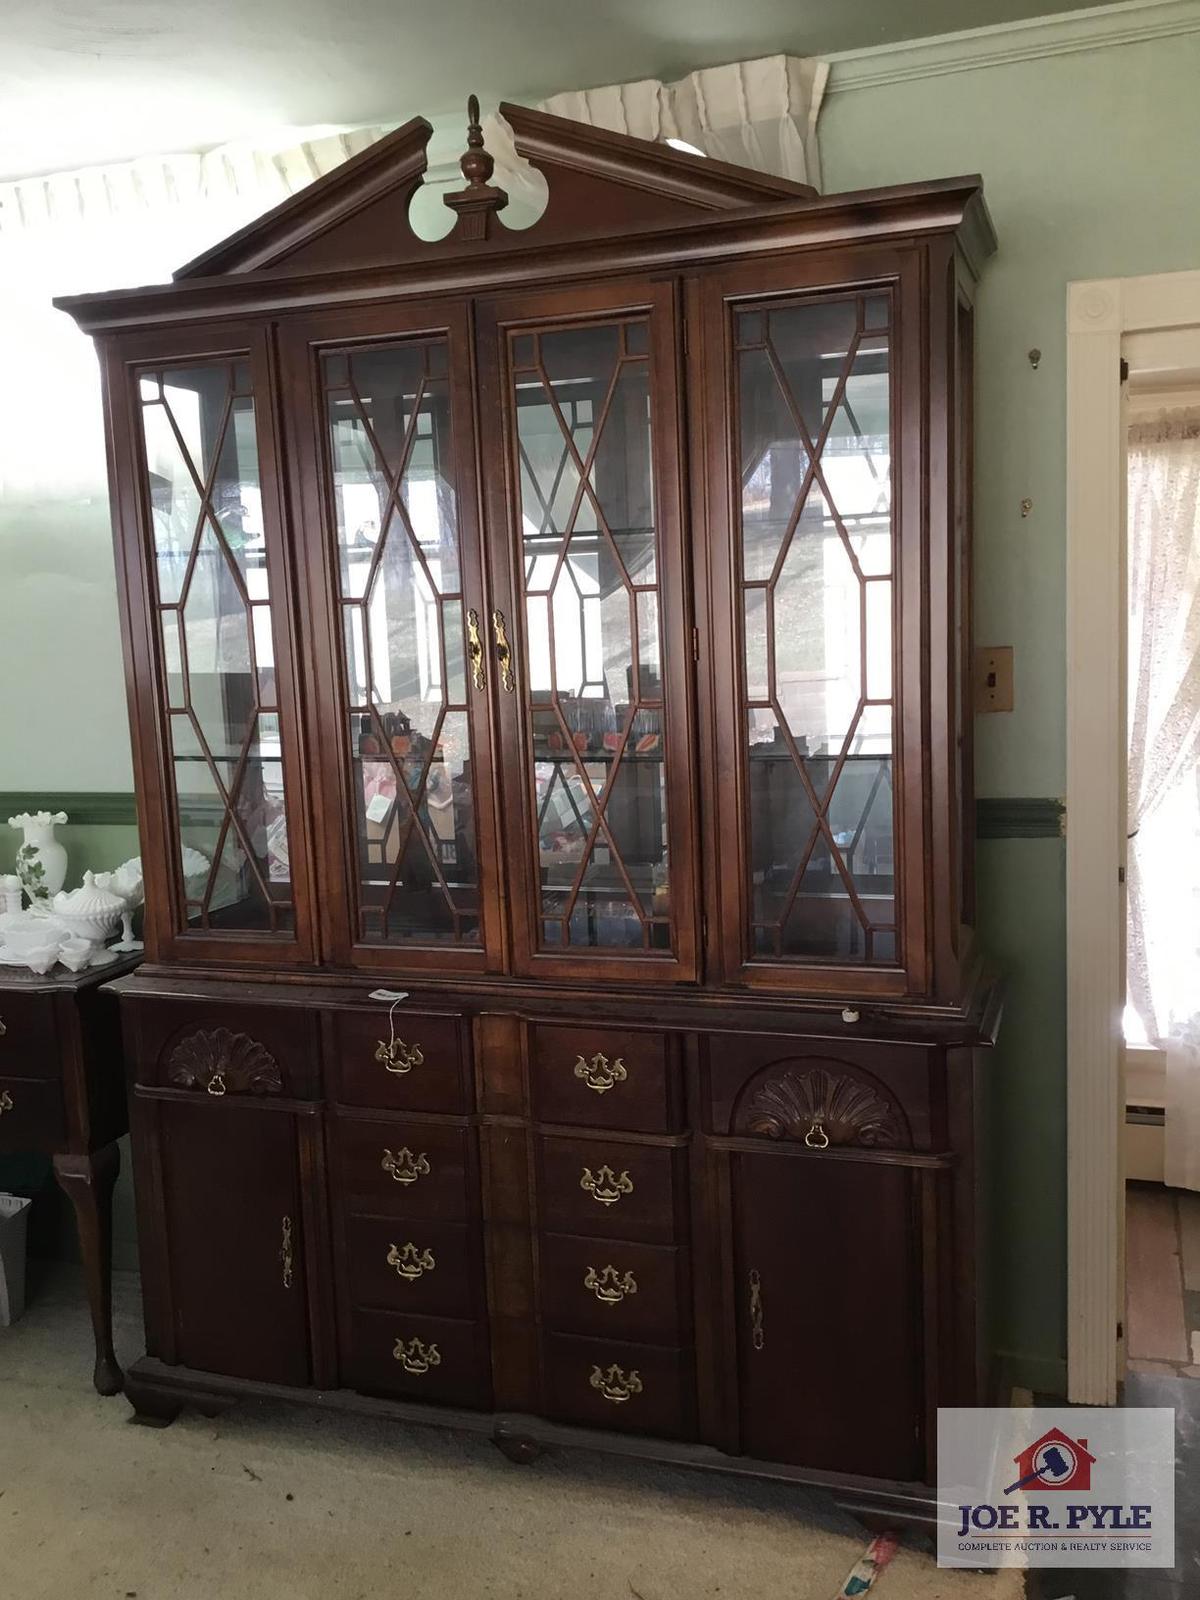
column 1149, row 322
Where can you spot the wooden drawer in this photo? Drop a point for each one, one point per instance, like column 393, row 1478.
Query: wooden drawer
column 413, row 1265
column 420, row 1358
column 28, row 1039
column 405, row 1169
column 209, row 1048
column 605, row 1077
column 864, row 1094
column 600, row 1187
column 418, row 1063
column 32, row 1115
column 636, row 1388
column 614, row 1289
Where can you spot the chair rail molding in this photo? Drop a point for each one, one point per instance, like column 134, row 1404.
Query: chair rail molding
column 1100, row 312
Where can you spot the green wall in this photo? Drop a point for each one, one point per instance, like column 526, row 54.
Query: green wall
column 1090, row 168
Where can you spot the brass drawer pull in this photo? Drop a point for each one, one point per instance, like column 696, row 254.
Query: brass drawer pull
column 475, row 650
column 410, row 1262
column 285, row 1253
column 605, row 1186
column 416, row 1357
column 3, row 1028
column 503, row 651
column 757, row 1338
column 616, row 1384
column 404, row 1167
column 816, row 1138
column 599, row 1073
column 6, row 1102
column 399, row 1057
column 610, row 1286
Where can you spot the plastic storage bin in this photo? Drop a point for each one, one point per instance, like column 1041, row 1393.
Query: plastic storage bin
column 14, row 1221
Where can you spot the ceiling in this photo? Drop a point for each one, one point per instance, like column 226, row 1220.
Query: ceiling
column 88, row 81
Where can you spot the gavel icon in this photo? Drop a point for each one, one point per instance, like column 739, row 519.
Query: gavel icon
column 1053, row 1462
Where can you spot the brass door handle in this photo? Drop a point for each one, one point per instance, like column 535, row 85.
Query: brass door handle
column 615, row 1384
column 399, row 1057
column 605, row 1186
column 416, row 1357
column 6, row 1102
column 404, row 1167
column 409, row 1262
column 600, row 1073
column 503, row 651
column 475, row 650
column 285, row 1253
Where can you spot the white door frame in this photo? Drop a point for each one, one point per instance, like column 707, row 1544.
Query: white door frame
column 1100, row 312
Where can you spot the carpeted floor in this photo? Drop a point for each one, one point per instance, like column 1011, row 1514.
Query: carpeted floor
column 274, row 1503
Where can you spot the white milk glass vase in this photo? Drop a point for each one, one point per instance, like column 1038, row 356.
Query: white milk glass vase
column 41, row 858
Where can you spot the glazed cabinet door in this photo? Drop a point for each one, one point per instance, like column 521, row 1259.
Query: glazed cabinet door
column 829, row 1298
column 235, row 1240
column 206, row 568
column 380, row 402
column 590, row 630
column 811, row 437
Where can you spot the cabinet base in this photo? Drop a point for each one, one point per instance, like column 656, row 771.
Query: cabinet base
column 158, row 1393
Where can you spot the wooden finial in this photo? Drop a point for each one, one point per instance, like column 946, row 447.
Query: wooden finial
column 480, row 200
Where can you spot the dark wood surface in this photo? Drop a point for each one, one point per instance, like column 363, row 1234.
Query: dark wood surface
column 532, row 1192
column 62, row 1094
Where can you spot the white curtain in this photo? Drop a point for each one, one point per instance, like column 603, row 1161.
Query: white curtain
column 760, row 114
column 1164, row 764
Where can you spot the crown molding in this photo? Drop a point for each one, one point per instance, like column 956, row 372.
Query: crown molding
column 1067, row 33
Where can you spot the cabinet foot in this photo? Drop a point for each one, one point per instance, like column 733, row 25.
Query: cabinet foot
column 152, row 1409
column 517, row 1448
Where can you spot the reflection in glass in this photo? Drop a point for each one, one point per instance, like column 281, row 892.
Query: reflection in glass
column 593, row 668
column 816, row 558
column 401, row 599
column 205, row 510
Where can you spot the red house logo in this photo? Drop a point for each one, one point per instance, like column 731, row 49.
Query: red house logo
column 1055, row 1461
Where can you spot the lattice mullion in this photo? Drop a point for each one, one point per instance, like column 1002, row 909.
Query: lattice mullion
column 414, row 802
column 812, row 473
column 388, row 756
column 227, row 799
column 876, row 784
column 599, row 809
column 634, row 898
column 204, row 490
column 393, row 483
column 854, row 423
column 821, row 826
column 584, row 468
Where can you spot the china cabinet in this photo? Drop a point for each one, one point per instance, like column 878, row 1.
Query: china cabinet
column 547, row 655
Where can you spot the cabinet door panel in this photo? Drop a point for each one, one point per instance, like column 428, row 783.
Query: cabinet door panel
column 817, row 578
column 207, row 579
column 585, row 534
column 828, row 1295
column 235, row 1239
column 387, row 482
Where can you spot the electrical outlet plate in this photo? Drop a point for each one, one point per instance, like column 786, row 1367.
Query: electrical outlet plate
column 994, row 678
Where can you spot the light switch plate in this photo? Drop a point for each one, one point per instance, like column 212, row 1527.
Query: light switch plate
column 994, row 678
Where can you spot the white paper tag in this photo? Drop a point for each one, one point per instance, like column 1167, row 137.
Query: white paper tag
column 378, row 808
column 388, row 994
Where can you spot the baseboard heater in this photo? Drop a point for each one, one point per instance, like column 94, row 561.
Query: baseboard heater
column 1144, row 1143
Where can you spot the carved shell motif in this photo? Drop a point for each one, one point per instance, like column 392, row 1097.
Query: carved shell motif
column 821, row 1108
column 224, row 1063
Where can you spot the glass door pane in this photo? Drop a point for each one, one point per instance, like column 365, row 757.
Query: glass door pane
column 405, row 630
column 214, row 620
column 816, row 559
column 593, row 670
